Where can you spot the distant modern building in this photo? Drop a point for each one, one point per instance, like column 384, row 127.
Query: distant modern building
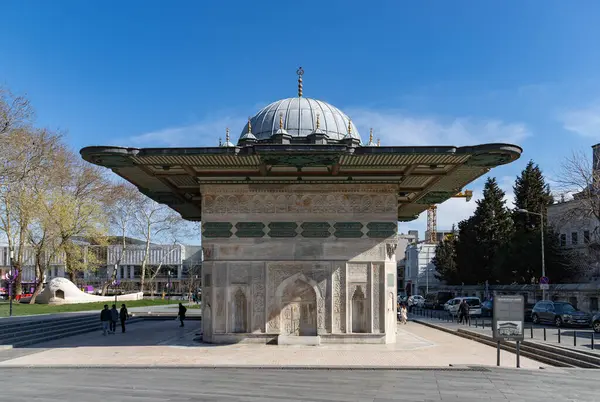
column 178, row 264
column 404, row 240
column 420, row 270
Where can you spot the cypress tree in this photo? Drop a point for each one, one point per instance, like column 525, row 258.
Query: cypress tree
column 483, row 236
column 522, row 256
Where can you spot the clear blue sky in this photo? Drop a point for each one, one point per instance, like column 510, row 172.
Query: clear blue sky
column 157, row 73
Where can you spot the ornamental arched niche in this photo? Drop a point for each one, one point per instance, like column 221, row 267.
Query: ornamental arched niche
column 282, row 293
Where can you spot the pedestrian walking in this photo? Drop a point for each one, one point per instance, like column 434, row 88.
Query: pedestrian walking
column 403, row 314
column 114, row 318
column 105, row 319
column 123, row 316
column 181, row 313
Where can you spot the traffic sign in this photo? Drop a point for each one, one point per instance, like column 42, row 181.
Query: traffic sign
column 544, row 280
column 544, row 286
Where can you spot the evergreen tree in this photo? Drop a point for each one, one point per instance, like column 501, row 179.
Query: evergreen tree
column 445, row 260
column 522, row 259
column 483, row 236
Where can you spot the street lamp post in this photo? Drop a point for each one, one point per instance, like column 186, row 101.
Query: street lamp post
column 11, row 277
column 541, row 215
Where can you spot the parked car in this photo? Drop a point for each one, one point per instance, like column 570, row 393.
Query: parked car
column 437, row 300
column 487, row 309
column 474, row 304
column 596, row 323
column 559, row 313
column 416, row 301
column 528, row 311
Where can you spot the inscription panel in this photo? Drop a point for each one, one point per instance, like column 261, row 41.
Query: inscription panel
column 357, row 272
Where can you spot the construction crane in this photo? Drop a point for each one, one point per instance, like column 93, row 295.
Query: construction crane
column 432, row 215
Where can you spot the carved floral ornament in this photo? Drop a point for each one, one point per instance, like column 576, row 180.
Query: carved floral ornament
column 390, row 248
column 341, row 203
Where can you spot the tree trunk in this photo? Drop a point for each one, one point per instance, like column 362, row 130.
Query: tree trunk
column 39, row 282
column 145, row 261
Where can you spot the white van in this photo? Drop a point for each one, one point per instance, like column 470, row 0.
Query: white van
column 474, row 304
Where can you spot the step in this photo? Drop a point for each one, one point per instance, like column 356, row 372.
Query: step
column 48, row 328
column 6, row 327
column 63, row 333
column 299, row 340
column 545, row 351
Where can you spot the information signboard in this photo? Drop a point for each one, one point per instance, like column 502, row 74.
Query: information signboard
column 509, row 316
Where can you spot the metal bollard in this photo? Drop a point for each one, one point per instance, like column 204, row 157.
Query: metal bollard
column 483, row 324
column 531, row 330
column 593, row 340
column 559, row 335
column 574, row 338
column 476, row 323
column 544, row 334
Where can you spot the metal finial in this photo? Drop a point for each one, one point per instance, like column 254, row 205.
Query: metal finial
column 318, row 122
column 349, row 126
column 281, row 121
column 227, row 135
column 371, row 136
column 300, row 73
column 220, row 142
column 249, row 126
column 378, row 142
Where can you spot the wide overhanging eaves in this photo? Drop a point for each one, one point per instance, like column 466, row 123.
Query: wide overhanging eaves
column 423, row 175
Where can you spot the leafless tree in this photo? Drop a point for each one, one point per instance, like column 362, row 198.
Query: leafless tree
column 121, row 212
column 155, row 223
column 579, row 185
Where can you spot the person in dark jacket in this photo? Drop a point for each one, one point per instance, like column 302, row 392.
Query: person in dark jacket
column 463, row 312
column 105, row 319
column 114, row 318
column 181, row 314
column 123, row 316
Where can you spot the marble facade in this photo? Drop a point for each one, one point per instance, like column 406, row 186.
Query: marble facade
column 299, row 260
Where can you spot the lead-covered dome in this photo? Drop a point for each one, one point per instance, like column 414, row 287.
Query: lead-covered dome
column 299, row 119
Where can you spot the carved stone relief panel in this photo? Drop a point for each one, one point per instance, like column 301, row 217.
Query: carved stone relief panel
column 357, row 272
column 258, row 307
column 219, row 311
column 377, row 285
column 299, row 202
column 339, row 299
column 278, row 272
column 238, row 273
column 220, row 274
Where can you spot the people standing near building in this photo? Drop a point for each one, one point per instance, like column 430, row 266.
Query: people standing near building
column 123, row 316
column 181, row 314
column 105, row 319
column 114, row 318
column 403, row 314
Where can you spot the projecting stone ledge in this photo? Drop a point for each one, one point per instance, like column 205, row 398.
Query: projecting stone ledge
column 299, row 340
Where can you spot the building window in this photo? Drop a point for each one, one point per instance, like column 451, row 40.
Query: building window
column 563, row 239
column 574, row 238
column 586, row 236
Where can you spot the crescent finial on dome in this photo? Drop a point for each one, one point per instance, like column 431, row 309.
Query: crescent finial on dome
column 300, row 73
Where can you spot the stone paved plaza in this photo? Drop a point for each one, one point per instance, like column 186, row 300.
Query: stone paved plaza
column 163, row 343
column 237, row 385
